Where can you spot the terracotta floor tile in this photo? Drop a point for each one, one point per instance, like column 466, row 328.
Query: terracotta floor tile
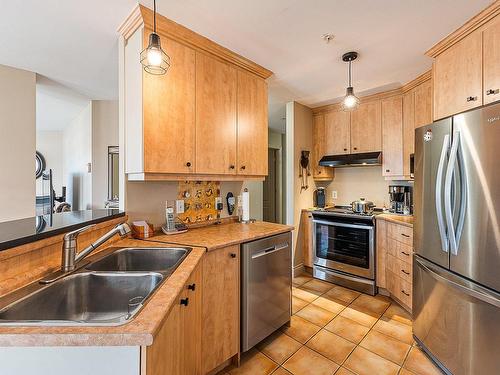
column 344, row 371
column 395, row 329
column 364, row 362
column 281, row 371
column 279, row 347
column 317, row 286
column 306, row 362
column 305, row 295
column 420, row 364
column 300, row 329
column 298, row 304
column 385, row 346
column 301, row 279
column 254, row 362
column 316, row 315
column 398, row 313
column 331, row 346
column 330, row 304
column 343, row 294
column 347, row 329
column 406, row 372
column 377, row 304
column 365, row 318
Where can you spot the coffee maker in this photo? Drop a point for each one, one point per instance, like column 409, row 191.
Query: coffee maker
column 319, row 197
column 401, row 199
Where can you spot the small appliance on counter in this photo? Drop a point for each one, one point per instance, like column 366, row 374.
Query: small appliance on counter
column 401, row 199
column 319, row 197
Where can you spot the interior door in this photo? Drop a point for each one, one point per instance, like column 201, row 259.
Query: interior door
column 431, row 155
column 477, row 134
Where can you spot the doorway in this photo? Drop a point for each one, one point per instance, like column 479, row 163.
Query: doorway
column 272, row 188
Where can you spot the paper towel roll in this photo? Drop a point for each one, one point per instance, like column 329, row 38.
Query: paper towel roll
column 245, row 206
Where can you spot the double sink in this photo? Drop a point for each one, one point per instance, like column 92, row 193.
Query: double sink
column 108, row 291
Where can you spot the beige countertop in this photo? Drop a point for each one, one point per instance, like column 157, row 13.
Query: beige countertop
column 143, row 327
column 216, row 236
column 398, row 219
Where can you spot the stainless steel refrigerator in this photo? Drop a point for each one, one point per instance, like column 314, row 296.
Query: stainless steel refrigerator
column 456, row 266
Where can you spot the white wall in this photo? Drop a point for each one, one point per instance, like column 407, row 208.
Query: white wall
column 49, row 144
column 77, row 153
column 17, row 143
column 104, row 134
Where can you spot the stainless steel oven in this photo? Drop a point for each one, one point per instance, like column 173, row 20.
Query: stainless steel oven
column 344, row 249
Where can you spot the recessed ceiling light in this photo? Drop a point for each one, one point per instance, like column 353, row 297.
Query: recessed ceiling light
column 327, row 37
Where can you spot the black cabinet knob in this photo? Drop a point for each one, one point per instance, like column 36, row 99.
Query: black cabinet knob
column 243, row 167
column 471, row 98
column 184, row 301
column 355, row 148
column 345, row 149
column 231, row 167
column 492, row 92
column 192, row 286
column 233, row 255
column 188, row 164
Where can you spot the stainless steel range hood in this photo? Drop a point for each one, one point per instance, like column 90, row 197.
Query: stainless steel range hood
column 352, row 160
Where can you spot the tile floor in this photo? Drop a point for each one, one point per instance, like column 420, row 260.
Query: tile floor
column 338, row 331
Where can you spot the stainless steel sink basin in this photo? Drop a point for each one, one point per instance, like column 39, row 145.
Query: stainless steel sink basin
column 92, row 298
column 130, row 259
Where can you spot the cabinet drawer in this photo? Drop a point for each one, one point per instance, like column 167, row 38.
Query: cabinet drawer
column 405, row 270
column 393, row 283
column 405, row 292
column 404, row 252
column 392, row 264
column 400, row 233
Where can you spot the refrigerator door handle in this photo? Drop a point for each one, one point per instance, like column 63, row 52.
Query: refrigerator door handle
column 470, row 289
column 463, row 196
column 448, row 211
column 439, row 195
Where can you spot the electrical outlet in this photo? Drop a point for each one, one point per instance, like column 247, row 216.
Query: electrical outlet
column 334, row 194
column 179, row 206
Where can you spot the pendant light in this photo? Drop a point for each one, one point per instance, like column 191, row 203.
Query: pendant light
column 153, row 59
column 350, row 101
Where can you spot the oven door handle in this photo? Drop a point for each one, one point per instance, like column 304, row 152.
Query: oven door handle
column 337, row 224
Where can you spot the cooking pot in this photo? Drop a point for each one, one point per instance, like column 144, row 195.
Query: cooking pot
column 362, row 206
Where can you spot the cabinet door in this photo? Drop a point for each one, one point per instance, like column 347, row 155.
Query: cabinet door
column 169, row 114
column 215, row 116
column 337, row 125
column 192, row 316
column 491, row 62
column 165, row 356
column 220, row 308
column 306, row 233
column 381, row 253
column 408, row 129
column 458, row 77
column 392, row 136
column 252, row 125
column 366, row 128
column 319, row 149
column 423, row 104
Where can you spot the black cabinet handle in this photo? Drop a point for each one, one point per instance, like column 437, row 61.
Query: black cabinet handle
column 355, row 148
column 233, row 255
column 492, row 92
column 231, row 167
column 387, row 170
column 405, row 235
column 345, row 149
column 405, row 253
column 184, row 301
column 402, row 291
column 407, row 273
column 243, row 167
column 188, row 164
column 319, row 172
column 192, row 287
column 471, row 98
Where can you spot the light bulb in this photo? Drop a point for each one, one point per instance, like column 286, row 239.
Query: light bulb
column 154, row 57
column 350, row 101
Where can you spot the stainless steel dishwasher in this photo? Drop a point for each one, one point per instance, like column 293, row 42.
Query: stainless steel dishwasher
column 266, row 287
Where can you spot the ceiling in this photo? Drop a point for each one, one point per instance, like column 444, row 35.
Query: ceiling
column 75, row 42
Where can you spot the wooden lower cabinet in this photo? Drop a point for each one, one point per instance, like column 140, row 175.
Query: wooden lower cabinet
column 176, row 348
column 394, row 260
column 220, row 308
column 306, row 238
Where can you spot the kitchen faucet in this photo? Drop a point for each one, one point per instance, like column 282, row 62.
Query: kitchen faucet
column 70, row 257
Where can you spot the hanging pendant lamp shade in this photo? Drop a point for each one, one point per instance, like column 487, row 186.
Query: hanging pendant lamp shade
column 153, row 59
column 350, row 101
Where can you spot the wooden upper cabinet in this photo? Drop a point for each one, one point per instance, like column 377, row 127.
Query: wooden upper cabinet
column 491, row 62
column 423, row 104
column 337, row 130
column 392, row 136
column 408, row 129
column 366, row 128
column 252, row 125
column 457, row 76
column 319, row 149
column 216, row 91
column 169, row 113
column 220, row 307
